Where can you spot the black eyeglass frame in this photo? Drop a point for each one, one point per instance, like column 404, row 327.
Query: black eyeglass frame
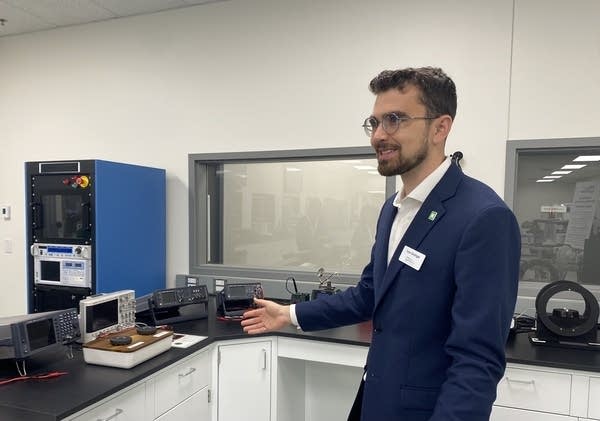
column 370, row 128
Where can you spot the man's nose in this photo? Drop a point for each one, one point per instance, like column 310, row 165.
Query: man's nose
column 379, row 135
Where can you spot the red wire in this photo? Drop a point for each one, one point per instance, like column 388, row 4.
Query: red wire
column 230, row 318
column 44, row 376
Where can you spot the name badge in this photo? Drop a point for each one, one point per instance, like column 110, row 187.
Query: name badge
column 412, row 258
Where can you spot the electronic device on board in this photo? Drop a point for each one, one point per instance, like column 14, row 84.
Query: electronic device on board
column 235, row 299
column 30, row 334
column 106, row 313
column 173, row 305
column 127, row 348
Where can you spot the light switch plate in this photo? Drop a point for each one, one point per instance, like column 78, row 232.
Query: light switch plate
column 8, row 246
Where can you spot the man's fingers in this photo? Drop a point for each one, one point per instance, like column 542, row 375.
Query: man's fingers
column 255, row 330
column 260, row 302
column 251, row 321
column 252, row 313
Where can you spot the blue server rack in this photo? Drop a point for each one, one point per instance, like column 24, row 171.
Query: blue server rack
column 120, row 213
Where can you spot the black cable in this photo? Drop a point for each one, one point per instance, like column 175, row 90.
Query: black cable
column 456, row 157
column 287, row 282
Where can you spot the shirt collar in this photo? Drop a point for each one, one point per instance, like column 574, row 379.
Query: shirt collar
column 425, row 187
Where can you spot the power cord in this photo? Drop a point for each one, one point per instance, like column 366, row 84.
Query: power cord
column 43, row 376
column 287, row 282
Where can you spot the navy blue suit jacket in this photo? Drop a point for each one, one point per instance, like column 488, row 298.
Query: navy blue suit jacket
column 437, row 349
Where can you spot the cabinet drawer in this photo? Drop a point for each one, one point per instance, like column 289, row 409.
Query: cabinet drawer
column 509, row 414
column 535, row 390
column 127, row 406
column 193, row 408
column 177, row 383
column 593, row 396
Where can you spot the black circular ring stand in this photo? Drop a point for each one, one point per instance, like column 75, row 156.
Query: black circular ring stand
column 550, row 332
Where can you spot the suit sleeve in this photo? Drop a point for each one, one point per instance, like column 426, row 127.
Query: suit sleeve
column 486, row 280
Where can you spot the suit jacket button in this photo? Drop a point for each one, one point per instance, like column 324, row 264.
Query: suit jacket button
column 377, row 330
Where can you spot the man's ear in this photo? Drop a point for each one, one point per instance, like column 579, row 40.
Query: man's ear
column 441, row 128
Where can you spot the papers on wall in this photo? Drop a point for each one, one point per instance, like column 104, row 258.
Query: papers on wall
column 583, row 209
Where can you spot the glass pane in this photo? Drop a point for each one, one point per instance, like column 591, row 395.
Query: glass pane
column 62, row 217
column 301, row 215
column 556, row 204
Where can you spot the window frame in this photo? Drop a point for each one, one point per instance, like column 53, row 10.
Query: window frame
column 199, row 165
column 514, row 147
column 527, row 292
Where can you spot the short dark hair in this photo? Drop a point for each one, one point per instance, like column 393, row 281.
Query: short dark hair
column 438, row 92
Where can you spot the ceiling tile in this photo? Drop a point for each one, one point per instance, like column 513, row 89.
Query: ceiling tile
column 24, row 16
column 138, row 7
column 202, row 1
column 62, row 12
column 18, row 21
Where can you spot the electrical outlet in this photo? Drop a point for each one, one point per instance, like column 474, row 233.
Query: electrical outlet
column 219, row 284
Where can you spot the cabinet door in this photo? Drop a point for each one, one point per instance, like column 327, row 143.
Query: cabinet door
column 128, row 406
column 500, row 413
column 244, row 376
column 193, row 408
column 594, row 393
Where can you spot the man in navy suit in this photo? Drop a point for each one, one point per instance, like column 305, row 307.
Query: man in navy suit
column 441, row 285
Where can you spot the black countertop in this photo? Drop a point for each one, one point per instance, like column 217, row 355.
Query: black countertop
column 520, row 351
column 85, row 384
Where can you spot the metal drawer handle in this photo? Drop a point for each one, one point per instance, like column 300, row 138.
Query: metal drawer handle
column 531, row 382
column 192, row 369
column 264, row 359
column 113, row 416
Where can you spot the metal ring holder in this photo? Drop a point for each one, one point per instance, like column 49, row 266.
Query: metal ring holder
column 590, row 315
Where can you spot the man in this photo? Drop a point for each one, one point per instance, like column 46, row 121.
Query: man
column 442, row 281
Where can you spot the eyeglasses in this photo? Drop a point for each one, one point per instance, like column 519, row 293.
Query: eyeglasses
column 390, row 123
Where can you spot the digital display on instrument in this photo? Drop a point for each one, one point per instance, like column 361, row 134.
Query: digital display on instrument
column 50, row 270
column 60, row 249
column 102, row 315
column 40, row 334
column 169, row 296
column 238, row 290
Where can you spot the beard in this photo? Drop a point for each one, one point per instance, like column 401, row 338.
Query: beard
column 399, row 164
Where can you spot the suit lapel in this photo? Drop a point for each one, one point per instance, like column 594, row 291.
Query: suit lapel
column 431, row 212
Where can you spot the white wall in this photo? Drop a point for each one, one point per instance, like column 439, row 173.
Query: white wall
column 555, row 84
column 262, row 75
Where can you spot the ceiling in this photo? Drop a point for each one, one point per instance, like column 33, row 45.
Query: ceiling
column 22, row 16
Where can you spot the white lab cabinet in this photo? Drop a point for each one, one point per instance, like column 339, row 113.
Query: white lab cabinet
column 297, row 379
column 244, row 381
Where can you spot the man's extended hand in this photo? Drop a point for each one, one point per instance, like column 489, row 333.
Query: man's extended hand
column 268, row 317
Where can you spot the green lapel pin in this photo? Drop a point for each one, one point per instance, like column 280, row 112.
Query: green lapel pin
column 432, row 215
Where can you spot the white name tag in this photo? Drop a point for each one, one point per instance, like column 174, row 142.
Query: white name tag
column 412, row 258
